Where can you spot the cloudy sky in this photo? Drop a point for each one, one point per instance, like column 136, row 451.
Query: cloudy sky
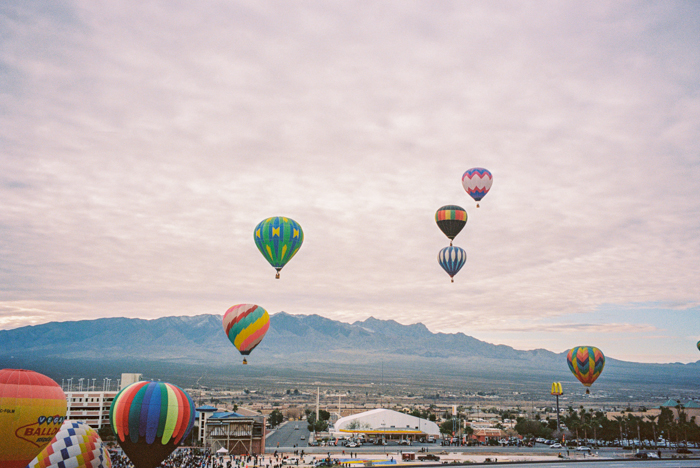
column 141, row 142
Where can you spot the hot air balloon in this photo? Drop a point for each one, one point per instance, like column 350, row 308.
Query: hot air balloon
column 452, row 259
column 278, row 239
column 451, row 219
column 76, row 445
column 698, row 345
column 32, row 409
column 150, row 419
column 586, row 363
column 245, row 326
column 477, row 182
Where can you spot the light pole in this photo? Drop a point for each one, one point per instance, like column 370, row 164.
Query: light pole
column 556, row 391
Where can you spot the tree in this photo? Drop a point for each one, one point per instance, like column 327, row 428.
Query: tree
column 275, row 418
column 324, row 415
column 446, row 427
column 318, row 426
column 529, row 427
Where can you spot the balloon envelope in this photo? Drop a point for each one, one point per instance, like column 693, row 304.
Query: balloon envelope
column 278, row 239
column 586, row 363
column 150, row 419
column 76, row 445
column 32, row 409
column 451, row 219
column 452, row 259
column 477, row 182
column 245, row 326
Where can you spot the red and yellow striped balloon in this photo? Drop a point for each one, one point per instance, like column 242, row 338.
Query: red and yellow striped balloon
column 32, row 409
column 245, row 326
column 150, row 419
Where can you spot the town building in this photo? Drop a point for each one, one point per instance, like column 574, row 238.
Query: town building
column 92, row 406
column 237, row 434
column 385, row 424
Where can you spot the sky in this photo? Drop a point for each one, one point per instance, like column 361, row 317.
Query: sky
column 142, row 142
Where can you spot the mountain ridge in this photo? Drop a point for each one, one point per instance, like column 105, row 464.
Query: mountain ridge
column 310, row 344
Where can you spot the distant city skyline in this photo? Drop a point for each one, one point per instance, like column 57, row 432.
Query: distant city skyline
column 140, row 144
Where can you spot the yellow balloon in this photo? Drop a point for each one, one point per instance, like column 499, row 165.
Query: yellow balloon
column 32, row 410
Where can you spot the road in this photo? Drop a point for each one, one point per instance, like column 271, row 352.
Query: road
column 287, row 438
column 614, row 464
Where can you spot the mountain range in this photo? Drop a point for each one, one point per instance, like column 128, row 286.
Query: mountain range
column 311, row 348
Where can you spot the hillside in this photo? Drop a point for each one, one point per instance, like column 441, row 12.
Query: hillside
column 310, row 347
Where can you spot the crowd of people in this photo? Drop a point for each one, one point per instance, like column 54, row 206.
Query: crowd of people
column 181, row 458
column 201, row 458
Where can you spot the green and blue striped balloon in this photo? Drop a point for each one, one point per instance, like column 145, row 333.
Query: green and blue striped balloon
column 278, row 239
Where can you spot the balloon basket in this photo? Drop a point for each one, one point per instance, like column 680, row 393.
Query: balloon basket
column 452, row 280
column 277, row 276
column 477, row 205
column 245, row 361
column 588, row 392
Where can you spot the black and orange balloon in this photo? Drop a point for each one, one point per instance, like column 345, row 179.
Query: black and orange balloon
column 451, row 220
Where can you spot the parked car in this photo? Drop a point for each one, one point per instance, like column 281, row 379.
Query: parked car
column 404, row 442
column 583, row 448
column 555, row 446
column 645, row 455
column 428, row 456
column 683, row 450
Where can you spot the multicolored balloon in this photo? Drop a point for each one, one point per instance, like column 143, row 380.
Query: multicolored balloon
column 245, row 326
column 698, row 345
column 477, row 182
column 32, row 409
column 76, row 445
column 452, row 259
column 150, row 419
column 451, row 219
column 586, row 363
column 278, row 239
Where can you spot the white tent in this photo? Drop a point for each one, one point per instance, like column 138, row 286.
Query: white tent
column 222, row 450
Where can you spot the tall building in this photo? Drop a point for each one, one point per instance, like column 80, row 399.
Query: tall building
column 92, row 406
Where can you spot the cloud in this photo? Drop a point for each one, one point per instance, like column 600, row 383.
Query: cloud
column 142, row 143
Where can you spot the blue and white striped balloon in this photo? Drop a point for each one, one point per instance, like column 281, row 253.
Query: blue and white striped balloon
column 452, row 259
